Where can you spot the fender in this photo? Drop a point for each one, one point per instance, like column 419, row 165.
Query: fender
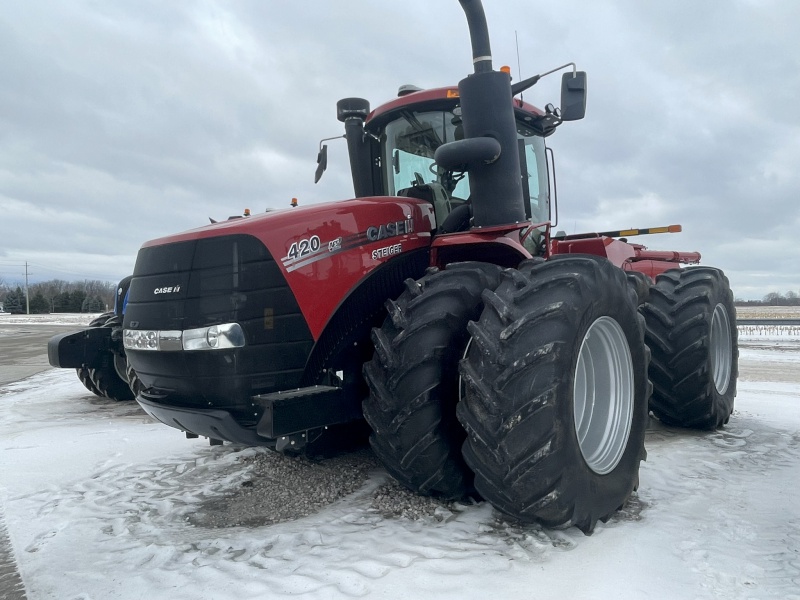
column 499, row 245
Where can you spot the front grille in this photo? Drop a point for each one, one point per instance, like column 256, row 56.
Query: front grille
column 227, row 279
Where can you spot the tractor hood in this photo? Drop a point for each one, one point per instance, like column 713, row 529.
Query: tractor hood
column 320, row 251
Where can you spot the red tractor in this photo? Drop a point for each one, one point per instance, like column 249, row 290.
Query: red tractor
column 485, row 352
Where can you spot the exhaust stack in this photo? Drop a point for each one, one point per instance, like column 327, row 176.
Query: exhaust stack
column 489, row 151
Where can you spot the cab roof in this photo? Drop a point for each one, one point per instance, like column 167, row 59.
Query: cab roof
column 436, row 98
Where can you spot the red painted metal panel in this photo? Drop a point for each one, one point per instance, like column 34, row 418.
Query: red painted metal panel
column 325, row 250
column 669, row 256
column 617, row 252
column 505, row 236
column 631, row 257
column 651, row 268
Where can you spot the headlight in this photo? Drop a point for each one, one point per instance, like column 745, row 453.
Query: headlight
column 215, row 337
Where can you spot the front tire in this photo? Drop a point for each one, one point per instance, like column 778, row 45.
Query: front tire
column 83, row 372
column 691, row 329
column 413, row 378
column 556, row 392
column 107, row 379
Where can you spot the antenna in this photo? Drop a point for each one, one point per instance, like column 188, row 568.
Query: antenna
column 519, row 67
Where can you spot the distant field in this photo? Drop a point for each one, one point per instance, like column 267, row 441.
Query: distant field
column 771, row 329
column 77, row 319
column 768, row 312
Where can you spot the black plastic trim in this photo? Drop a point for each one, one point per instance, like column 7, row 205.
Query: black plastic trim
column 211, row 423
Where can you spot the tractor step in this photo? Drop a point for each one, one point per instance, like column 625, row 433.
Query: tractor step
column 306, row 408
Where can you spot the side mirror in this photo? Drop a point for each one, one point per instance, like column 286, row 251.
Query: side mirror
column 573, row 96
column 322, row 162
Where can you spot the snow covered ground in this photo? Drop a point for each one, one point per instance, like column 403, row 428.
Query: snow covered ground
column 97, row 500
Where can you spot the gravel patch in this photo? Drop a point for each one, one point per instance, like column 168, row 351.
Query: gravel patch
column 282, row 488
column 392, row 500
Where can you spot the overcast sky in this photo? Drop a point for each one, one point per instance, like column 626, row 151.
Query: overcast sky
column 123, row 121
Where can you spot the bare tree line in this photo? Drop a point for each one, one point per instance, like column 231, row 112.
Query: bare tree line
column 58, row 295
column 789, row 298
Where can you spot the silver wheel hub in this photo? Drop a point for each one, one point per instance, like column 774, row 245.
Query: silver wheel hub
column 721, row 349
column 603, row 395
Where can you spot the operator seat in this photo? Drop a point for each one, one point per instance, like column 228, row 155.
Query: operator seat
column 434, row 193
column 459, row 219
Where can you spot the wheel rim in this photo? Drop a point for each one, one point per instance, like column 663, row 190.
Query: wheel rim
column 603, row 395
column 721, row 345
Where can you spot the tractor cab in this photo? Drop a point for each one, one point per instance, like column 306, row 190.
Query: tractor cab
column 392, row 153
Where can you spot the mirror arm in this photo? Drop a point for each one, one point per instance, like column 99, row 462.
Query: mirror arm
column 336, row 137
column 322, row 157
column 523, row 85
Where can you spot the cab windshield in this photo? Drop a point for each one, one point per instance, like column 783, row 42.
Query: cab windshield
column 409, row 142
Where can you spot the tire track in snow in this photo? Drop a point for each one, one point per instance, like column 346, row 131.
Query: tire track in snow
column 714, row 480
column 11, row 586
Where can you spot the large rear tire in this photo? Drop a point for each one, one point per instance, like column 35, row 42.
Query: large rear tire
column 413, row 378
column 555, row 393
column 691, row 329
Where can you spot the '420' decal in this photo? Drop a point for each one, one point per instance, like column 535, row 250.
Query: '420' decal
column 303, row 247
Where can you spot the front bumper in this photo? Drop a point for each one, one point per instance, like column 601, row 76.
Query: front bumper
column 212, row 423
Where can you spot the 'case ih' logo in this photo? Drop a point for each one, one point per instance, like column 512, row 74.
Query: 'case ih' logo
column 390, row 230
column 167, row 290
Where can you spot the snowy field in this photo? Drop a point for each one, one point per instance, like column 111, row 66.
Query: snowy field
column 97, row 501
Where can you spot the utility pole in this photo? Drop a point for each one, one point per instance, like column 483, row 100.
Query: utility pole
column 27, row 296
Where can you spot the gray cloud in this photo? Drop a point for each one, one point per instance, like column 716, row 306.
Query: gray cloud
column 124, row 121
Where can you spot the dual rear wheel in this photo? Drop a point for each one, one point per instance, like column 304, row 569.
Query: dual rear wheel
column 531, row 386
column 691, row 330
column 545, row 418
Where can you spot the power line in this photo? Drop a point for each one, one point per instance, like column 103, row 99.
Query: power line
column 52, row 268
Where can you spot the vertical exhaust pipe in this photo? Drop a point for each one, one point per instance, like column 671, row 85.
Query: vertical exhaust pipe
column 495, row 179
column 479, row 35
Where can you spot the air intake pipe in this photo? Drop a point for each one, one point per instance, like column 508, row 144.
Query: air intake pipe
column 353, row 112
